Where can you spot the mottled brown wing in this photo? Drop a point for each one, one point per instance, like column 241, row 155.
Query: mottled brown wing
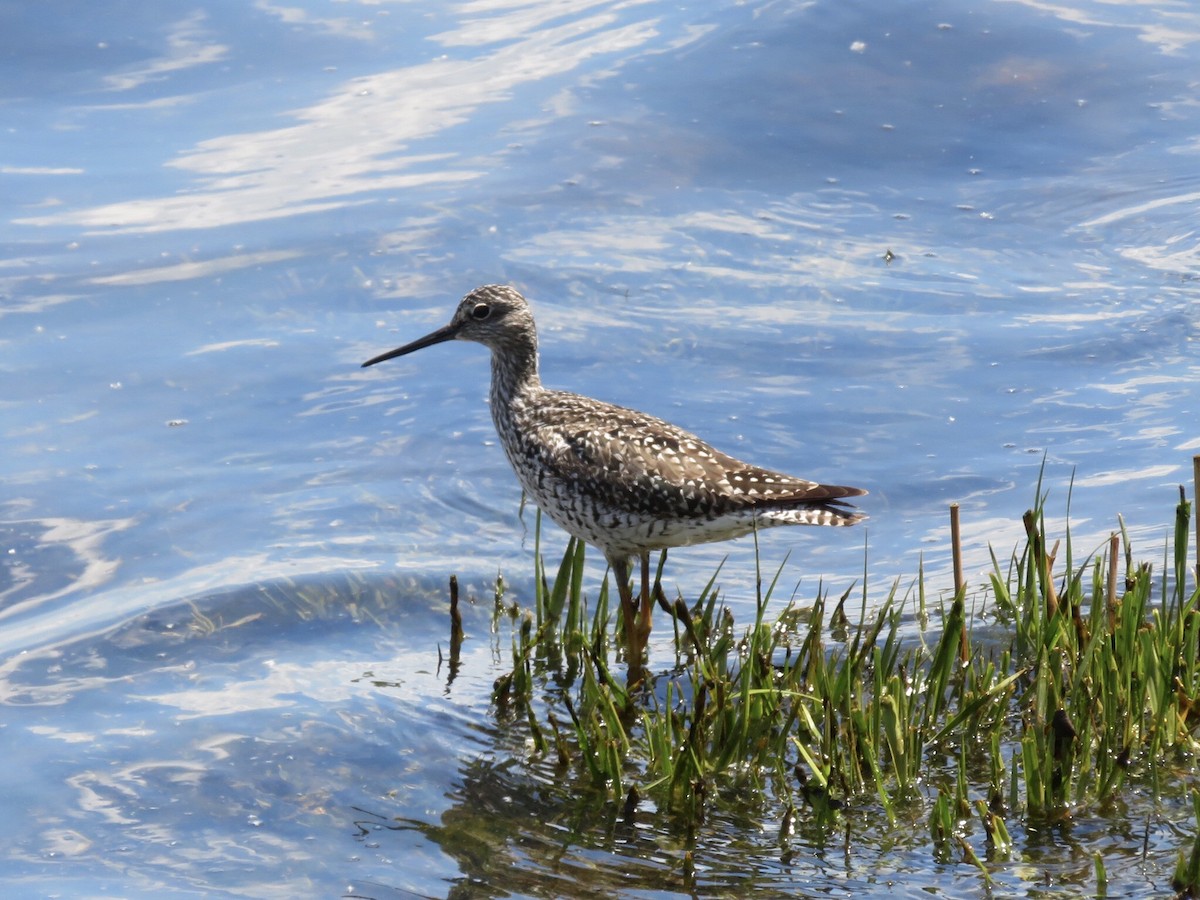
column 636, row 461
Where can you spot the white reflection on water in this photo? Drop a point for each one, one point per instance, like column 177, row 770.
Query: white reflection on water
column 1171, row 28
column 187, row 46
column 82, row 563
column 39, row 170
column 509, row 20
column 48, row 629
column 338, row 26
column 202, row 269
column 232, row 345
column 1122, row 476
column 1138, row 209
column 357, row 140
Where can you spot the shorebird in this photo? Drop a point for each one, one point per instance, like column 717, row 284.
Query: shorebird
column 623, row 481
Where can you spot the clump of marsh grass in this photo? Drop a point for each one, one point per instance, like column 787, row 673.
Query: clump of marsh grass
column 1097, row 684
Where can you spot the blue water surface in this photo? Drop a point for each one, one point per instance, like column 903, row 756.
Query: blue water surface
column 926, row 249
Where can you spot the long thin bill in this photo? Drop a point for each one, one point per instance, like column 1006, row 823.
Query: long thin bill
column 443, row 334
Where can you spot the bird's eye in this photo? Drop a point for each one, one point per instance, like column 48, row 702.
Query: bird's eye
column 480, row 312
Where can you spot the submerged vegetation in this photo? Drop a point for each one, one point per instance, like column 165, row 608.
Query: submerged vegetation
column 1057, row 688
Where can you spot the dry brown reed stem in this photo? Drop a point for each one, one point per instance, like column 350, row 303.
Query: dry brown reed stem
column 1042, row 560
column 456, row 625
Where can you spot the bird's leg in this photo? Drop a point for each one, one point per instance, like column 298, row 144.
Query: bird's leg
column 644, row 602
column 635, row 640
column 620, row 570
column 657, row 593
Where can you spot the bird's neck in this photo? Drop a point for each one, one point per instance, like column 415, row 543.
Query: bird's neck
column 514, row 374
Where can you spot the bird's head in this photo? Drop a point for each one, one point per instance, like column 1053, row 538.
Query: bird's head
column 494, row 315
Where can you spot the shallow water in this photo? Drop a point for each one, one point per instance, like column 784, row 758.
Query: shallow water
column 215, row 214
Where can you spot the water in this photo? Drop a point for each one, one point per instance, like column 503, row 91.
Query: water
column 215, row 214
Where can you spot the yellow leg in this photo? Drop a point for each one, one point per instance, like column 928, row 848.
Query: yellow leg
column 635, row 619
column 645, row 602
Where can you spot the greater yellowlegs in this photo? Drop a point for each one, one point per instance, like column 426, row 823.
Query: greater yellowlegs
column 621, row 480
